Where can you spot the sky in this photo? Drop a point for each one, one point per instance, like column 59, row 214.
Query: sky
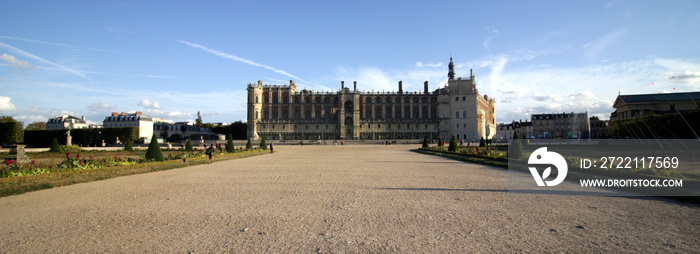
column 172, row 59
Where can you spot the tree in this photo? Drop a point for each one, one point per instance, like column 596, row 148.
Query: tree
column 482, row 143
column 440, row 144
column 453, row 144
column 516, row 151
column 10, row 130
column 263, row 145
column 188, row 146
column 238, row 129
column 425, row 142
column 154, row 153
column 55, row 147
column 198, row 122
column 128, row 147
column 249, row 145
column 229, row 144
column 36, row 126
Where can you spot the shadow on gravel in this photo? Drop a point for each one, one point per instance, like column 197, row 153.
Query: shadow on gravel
column 428, row 162
column 440, row 189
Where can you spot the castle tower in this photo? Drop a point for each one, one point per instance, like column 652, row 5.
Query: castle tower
column 254, row 108
column 451, row 73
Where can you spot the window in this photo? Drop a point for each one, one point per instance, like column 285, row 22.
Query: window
column 457, row 126
column 457, row 114
column 464, row 114
column 456, row 98
column 464, row 98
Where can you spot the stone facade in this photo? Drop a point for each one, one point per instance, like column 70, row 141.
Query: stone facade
column 66, row 122
column 641, row 105
column 138, row 119
column 560, row 126
column 282, row 112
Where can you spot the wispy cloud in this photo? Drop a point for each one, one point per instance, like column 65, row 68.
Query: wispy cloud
column 492, row 30
column 29, row 55
column 595, row 48
column 240, row 59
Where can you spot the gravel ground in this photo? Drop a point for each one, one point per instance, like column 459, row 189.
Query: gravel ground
column 336, row 199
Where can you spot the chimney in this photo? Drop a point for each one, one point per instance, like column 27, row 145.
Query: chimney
column 400, row 87
column 291, row 82
column 123, row 114
column 83, row 118
column 138, row 113
column 260, row 82
column 354, row 84
column 425, row 86
column 342, row 85
column 115, row 113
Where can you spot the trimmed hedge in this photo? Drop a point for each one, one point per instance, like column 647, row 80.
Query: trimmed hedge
column 43, row 138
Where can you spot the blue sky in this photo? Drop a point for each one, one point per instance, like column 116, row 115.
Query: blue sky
column 171, row 59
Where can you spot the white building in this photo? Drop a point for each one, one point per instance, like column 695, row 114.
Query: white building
column 64, row 122
column 138, row 119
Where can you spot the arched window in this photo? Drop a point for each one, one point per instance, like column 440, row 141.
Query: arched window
column 464, row 114
column 348, row 106
column 348, row 121
column 256, row 99
column 457, row 114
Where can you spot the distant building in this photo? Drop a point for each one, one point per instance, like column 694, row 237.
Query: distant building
column 599, row 128
column 506, row 130
column 641, row 105
column 558, row 126
column 142, row 121
column 185, row 130
column 283, row 112
column 66, row 122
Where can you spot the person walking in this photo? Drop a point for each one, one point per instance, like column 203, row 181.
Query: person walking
column 210, row 152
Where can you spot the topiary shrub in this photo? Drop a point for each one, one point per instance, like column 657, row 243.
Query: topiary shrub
column 229, row 144
column 453, row 144
column 55, row 147
column 516, row 152
column 425, row 142
column 440, row 143
column 188, row 146
column 249, row 145
column 263, row 145
column 154, row 153
column 482, row 143
column 128, row 146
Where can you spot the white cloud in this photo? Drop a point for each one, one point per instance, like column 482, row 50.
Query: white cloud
column 431, row 65
column 688, row 77
column 102, row 107
column 16, row 63
column 148, row 104
column 547, row 97
column 6, row 104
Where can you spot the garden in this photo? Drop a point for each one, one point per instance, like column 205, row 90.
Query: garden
column 64, row 165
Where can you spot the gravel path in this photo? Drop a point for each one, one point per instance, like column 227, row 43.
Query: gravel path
column 339, row 199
